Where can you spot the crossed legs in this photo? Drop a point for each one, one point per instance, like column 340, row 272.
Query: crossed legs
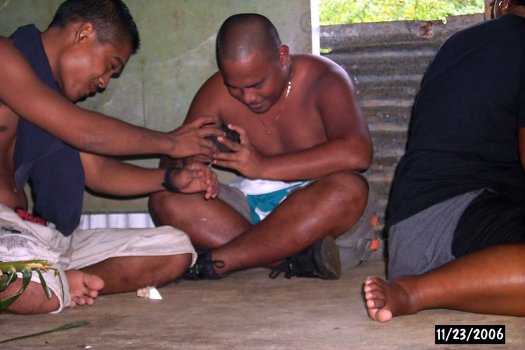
column 327, row 207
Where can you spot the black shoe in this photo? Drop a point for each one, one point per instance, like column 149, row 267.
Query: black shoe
column 320, row 260
column 203, row 268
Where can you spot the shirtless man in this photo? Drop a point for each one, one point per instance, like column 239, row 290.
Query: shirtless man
column 76, row 56
column 457, row 209
column 303, row 141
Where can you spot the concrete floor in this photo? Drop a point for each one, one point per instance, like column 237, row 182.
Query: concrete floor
column 247, row 311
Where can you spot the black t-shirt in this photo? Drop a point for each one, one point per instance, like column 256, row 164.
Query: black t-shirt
column 463, row 133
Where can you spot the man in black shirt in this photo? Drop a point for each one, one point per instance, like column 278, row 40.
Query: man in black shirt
column 456, row 216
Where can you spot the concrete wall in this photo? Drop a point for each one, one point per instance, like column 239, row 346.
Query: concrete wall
column 176, row 56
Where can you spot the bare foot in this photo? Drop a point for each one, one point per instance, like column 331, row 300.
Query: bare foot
column 84, row 287
column 385, row 299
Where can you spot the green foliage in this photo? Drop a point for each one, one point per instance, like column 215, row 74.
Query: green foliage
column 355, row 11
column 58, row 329
column 8, row 274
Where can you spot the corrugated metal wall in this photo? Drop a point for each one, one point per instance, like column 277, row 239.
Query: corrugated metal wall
column 386, row 62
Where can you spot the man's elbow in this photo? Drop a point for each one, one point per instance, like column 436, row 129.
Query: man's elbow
column 363, row 157
column 363, row 164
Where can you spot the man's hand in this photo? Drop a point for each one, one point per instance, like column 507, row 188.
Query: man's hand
column 196, row 177
column 190, row 139
column 244, row 158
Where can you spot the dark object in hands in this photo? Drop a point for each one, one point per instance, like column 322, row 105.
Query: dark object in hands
column 168, row 183
column 231, row 135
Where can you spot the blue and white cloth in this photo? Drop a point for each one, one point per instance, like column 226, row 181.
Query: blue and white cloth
column 264, row 195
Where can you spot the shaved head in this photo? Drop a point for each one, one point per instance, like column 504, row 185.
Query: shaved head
column 242, row 34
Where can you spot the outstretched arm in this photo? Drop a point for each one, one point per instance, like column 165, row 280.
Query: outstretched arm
column 111, row 177
column 23, row 93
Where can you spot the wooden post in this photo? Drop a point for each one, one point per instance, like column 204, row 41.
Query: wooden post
column 488, row 8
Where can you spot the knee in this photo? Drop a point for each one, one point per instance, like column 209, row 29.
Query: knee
column 350, row 192
column 180, row 256
column 176, row 265
column 160, row 206
column 359, row 191
column 182, row 263
column 158, row 200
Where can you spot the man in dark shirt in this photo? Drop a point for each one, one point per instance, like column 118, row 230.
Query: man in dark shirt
column 43, row 75
column 456, row 216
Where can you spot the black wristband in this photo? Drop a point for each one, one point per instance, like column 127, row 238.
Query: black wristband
column 167, row 179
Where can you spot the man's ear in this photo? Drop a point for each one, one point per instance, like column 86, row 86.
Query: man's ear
column 504, row 5
column 84, row 31
column 284, row 54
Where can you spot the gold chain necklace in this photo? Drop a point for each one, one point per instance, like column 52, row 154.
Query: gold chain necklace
column 288, row 88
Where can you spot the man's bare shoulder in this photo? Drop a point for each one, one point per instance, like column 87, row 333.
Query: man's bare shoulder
column 5, row 45
column 214, row 82
column 213, row 90
column 7, row 59
column 319, row 69
column 317, row 74
column 210, row 98
column 315, row 62
column 11, row 59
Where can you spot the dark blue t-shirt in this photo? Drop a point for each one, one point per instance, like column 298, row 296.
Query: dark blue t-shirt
column 463, row 133
column 52, row 167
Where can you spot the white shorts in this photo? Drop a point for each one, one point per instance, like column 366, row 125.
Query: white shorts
column 23, row 240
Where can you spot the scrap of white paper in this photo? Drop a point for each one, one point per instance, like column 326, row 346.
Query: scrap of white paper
column 149, row 293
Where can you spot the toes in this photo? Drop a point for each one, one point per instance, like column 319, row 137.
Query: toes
column 93, row 282
column 384, row 315
column 92, row 294
column 79, row 300
column 372, row 284
column 83, row 300
column 375, row 303
column 372, row 313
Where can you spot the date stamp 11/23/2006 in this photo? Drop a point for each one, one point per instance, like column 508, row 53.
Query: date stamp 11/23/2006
column 469, row 334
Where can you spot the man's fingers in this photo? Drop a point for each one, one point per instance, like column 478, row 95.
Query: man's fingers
column 234, row 146
column 203, row 121
column 210, row 132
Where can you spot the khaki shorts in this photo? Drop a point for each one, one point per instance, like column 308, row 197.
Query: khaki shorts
column 22, row 240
